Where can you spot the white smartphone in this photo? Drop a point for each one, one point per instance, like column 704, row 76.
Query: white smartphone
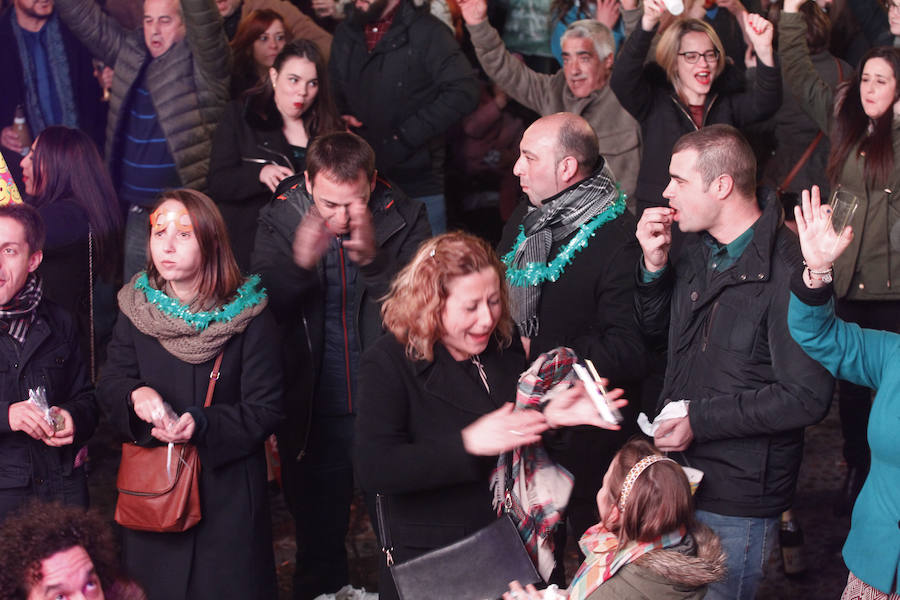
column 597, row 392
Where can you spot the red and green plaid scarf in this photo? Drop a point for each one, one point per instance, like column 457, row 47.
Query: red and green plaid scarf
column 540, row 488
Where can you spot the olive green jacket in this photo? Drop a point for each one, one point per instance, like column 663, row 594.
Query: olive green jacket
column 870, row 265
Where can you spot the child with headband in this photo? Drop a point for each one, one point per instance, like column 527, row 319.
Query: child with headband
column 647, row 544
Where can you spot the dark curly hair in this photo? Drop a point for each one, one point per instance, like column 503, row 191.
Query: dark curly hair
column 42, row 529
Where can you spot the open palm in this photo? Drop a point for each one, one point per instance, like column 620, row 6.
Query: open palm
column 820, row 243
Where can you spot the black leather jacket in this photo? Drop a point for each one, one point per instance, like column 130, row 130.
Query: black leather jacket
column 751, row 388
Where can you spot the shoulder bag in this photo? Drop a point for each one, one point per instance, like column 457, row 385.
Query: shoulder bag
column 159, row 487
column 476, row 567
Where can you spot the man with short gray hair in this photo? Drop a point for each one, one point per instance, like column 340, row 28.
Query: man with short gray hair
column 580, row 87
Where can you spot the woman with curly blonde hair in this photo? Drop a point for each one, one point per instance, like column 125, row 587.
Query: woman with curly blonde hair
column 436, row 398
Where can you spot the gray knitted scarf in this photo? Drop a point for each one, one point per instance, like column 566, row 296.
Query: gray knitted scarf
column 555, row 220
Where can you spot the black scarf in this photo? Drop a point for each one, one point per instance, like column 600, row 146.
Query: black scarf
column 17, row 315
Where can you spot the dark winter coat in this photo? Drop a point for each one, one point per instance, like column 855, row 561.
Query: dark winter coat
column 297, row 296
column 188, row 84
column 645, row 92
column 409, row 447
column 590, row 309
column 751, row 388
column 50, row 357
column 414, row 85
column 229, row 553
column 65, row 268
column 242, row 140
column 85, row 89
column 681, row 572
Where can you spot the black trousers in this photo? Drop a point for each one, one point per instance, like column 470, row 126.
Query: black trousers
column 319, row 492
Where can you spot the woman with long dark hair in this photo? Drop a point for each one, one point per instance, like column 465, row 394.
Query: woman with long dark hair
column 864, row 162
column 67, row 181
column 260, row 38
column 262, row 139
column 189, row 309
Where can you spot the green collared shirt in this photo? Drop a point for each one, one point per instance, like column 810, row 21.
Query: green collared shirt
column 721, row 256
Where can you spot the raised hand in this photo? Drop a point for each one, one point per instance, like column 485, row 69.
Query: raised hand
column 653, row 12
column 361, row 245
column 759, row 33
column 473, row 11
column 311, row 240
column 607, row 12
column 654, row 234
column 820, row 243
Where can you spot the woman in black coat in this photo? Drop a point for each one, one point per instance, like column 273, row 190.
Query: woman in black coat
column 436, row 393
column 262, row 139
column 688, row 87
column 66, row 180
column 189, row 306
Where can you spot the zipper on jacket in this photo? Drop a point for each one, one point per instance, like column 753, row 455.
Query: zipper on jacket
column 708, row 327
column 344, row 323
column 887, row 223
column 687, row 113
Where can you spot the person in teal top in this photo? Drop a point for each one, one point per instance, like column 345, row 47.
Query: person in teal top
column 866, row 357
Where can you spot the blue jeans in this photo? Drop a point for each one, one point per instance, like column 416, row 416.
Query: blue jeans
column 437, row 212
column 748, row 542
column 137, row 234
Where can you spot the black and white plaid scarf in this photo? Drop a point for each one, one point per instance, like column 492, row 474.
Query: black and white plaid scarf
column 17, row 315
column 555, row 220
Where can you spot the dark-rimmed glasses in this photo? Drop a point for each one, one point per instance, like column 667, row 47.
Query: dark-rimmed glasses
column 711, row 56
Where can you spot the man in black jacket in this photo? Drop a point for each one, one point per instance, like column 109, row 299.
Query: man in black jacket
column 748, row 388
column 327, row 250
column 42, row 453
column 402, row 81
column 569, row 253
column 46, row 71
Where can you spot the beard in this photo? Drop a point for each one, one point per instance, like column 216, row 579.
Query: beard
column 359, row 17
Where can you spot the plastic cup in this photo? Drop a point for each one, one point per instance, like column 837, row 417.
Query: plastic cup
column 843, row 207
column 676, row 7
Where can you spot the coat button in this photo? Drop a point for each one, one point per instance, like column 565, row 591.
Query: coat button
column 743, row 277
column 694, row 296
column 760, row 276
column 862, row 286
column 15, row 365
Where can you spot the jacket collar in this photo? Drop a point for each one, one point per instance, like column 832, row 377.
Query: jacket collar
column 446, row 378
column 755, row 263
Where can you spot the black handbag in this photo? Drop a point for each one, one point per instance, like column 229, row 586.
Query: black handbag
column 477, row 567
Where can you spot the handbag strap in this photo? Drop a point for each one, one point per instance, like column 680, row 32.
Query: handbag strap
column 213, row 378
column 809, row 149
column 384, row 531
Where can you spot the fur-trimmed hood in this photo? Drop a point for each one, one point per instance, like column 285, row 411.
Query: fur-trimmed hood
column 697, row 561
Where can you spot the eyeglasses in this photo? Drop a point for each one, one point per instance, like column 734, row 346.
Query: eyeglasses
column 711, row 56
column 159, row 220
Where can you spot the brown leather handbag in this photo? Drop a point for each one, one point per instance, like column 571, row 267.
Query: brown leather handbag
column 159, row 487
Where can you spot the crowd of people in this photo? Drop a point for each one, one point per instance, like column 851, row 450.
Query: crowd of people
column 245, row 232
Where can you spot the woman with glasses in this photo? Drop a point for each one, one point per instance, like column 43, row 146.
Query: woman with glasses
column 262, row 139
column 688, row 87
column 860, row 119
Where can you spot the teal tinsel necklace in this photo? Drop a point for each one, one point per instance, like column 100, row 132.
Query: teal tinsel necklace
column 249, row 294
column 534, row 274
